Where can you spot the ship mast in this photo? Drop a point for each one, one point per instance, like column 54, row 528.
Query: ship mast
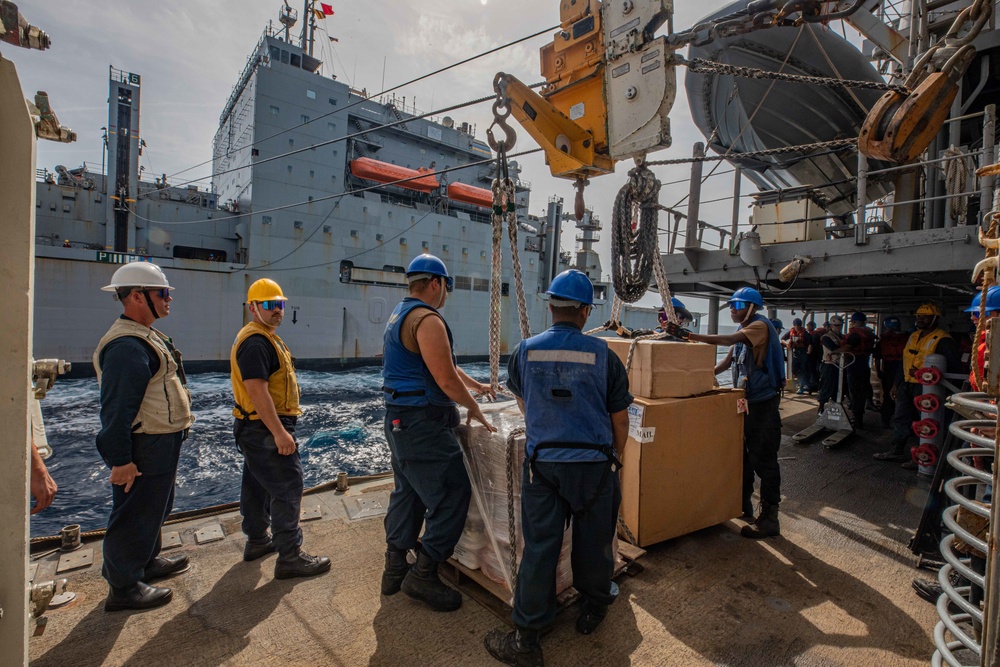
column 308, row 37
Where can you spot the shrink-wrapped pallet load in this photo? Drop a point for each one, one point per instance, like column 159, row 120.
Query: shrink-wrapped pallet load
column 485, row 543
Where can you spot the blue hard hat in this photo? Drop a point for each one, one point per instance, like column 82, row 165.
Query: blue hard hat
column 747, row 295
column 992, row 301
column 677, row 303
column 572, row 285
column 797, row 322
column 892, row 323
column 430, row 265
column 859, row 317
column 778, row 324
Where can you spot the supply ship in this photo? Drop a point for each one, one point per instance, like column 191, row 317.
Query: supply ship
column 315, row 184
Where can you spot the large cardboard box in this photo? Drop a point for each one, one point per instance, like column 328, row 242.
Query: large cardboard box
column 667, row 369
column 683, row 464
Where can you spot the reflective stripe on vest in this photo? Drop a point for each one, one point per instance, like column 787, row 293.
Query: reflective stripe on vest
column 917, row 349
column 564, row 384
column 282, row 386
column 166, row 405
column 406, row 379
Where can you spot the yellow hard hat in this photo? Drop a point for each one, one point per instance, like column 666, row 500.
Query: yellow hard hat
column 265, row 289
column 929, row 309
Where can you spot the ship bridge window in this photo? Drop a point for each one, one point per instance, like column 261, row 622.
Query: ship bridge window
column 311, row 94
column 204, row 254
column 275, row 52
column 284, row 56
column 296, row 60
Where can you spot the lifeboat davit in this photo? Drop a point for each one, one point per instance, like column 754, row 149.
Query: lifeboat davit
column 470, row 194
column 383, row 172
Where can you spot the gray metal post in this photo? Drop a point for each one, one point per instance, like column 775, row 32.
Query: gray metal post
column 673, row 233
column 17, row 268
column 694, row 202
column 737, row 183
column 713, row 315
column 989, row 157
column 860, row 228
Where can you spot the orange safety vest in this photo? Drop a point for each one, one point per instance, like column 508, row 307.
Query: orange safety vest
column 282, row 385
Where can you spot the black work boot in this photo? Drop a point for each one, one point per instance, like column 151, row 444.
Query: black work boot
column 766, row 524
column 591, row 615
column 137, row 596
column 748, row 511
column 519, row 648
column 257, row 547
column 165, row 566
column 422, row 583
column 396, row 568
column 300, row 564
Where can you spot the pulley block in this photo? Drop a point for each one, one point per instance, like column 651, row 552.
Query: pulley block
column 928, row 376
column 927, row 402
column 926, row 428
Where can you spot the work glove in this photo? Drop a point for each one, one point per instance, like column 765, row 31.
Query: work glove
column 676, row 331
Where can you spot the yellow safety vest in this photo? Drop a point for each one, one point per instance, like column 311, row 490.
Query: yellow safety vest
column 916, row 351
column 282, row 385
column 166, row 406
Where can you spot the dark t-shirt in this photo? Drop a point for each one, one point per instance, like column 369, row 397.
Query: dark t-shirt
column 257, row 358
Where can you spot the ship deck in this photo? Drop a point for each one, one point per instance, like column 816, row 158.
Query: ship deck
column 834, row 589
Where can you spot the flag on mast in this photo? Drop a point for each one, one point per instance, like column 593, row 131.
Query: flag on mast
column 327, row 9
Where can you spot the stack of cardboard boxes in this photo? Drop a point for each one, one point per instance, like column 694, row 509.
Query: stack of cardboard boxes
column 683, row 462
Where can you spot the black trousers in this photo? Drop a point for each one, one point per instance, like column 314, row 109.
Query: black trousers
column 890, row 369
column 857, row 377
column 432, row 486
column 132, row 539
column 761, row 440
column 546, row 508
column 271, row 494
column 829, row 380
column 905, row 414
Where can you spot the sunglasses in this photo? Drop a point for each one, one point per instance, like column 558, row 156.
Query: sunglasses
column 272, row 305
column 449, row 283
column 737, row 305
column 163, row 293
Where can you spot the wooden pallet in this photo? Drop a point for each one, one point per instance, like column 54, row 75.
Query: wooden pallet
column 495, row 598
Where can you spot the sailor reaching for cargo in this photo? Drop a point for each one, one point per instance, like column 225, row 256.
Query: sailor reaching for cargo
column 266, row 395
column 145, row 416
column 574, row 396
column 422, row 385
column 758, row 368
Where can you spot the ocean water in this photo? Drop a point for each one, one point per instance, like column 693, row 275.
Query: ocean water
column 340, row 430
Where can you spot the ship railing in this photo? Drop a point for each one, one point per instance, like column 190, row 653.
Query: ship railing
column 256, row 58
column 870, row 216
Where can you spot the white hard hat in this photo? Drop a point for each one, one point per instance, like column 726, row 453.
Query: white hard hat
column 137, row 274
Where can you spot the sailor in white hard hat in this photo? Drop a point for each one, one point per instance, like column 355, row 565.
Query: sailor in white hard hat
column 145, row 416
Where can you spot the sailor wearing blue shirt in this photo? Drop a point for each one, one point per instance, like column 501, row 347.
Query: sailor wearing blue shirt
column 422, row 385
column 758, row 368
column 145, row 415
column 574, row 394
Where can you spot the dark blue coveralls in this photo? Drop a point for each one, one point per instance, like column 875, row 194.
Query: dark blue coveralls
column 271, row 493
column 570, row 385
column 132, row 540
column 432, row 486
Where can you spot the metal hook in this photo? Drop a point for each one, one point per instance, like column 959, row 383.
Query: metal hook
column 501, row 112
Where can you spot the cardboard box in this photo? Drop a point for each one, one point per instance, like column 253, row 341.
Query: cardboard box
column 683, row 464
column 667, row 369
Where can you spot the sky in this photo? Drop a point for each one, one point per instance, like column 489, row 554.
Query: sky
column 190, row 53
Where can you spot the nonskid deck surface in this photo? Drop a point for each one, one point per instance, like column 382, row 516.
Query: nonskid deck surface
column 834, row 589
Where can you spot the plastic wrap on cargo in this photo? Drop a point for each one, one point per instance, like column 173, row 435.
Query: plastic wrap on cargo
column 485, row 542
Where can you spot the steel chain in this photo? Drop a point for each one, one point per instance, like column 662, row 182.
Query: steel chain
column 703, row 66
column 495, row 322
column 819, row 145
column 515, row 255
